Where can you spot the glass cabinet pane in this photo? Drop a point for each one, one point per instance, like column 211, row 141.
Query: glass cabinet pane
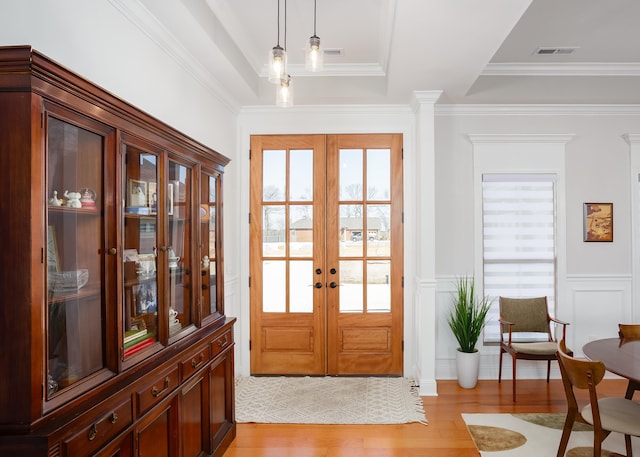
column 140, row 239
column 208, row 231
column 179, row 189
column 74, row 254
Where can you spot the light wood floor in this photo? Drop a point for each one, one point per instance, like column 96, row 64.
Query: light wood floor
column 445, row 436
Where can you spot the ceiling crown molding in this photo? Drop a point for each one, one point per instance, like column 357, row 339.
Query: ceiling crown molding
column 140, row 16
column 537, row 110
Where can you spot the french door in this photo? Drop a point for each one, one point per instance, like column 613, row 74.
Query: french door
column 326, row 254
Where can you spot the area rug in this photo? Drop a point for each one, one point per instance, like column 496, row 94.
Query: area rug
column 533, row 435
column 328, row 400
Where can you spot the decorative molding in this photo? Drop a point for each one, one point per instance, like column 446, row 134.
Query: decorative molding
column 631, row 138
column 562, row 69
column 562, row 138
column 537, row 110
column 366, row 110
column 140, row 16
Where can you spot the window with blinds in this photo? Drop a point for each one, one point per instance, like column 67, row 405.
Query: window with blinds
column 519, row 247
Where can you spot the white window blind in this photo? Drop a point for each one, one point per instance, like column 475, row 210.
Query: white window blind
column 519, row 253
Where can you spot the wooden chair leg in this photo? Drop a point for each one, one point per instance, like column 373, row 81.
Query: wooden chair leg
column 500, row 367
column 548, row 370
column 566, row 432
column 514, row 358
column 627, row 443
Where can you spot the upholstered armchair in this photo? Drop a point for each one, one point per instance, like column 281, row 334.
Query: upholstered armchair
column 525, row 332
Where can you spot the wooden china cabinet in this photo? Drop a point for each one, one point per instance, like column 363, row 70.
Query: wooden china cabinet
column 112, row 324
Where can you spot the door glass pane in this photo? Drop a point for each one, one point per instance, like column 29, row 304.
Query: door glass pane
column 378, row 230
column 274, row 290
column 351, row 230
column 140, row 241
column 350, row 174
column 301, row 231
column 274, row 176
column 351, row 286
column 208, row 263
column 378, row 286
column 301, row 175
column 178, row 247
column 301, row 286
column 75, row 243
column 273, row 218
column 379, row 174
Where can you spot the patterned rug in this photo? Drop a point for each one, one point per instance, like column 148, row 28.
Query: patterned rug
column 532, row 435
column 328, row 400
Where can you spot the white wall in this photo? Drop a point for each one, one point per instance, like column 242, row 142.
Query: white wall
column 596, row 291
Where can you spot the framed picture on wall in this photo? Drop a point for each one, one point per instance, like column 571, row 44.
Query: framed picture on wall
column 598, row 222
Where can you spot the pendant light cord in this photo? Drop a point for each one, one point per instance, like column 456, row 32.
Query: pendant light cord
column 285, row 25
column 278, row 40
column 314, row 16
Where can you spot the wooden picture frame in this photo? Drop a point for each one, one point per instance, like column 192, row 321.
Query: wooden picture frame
column 137, row 193
column 145, row 296
column 598, row 222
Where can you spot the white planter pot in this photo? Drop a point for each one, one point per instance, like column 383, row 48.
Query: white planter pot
column 467, row 367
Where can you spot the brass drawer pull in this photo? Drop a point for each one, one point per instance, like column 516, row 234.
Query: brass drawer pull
column 93, row 432
column 223, row 341
column 195, row 364
column 114, row 417
column 156, row 393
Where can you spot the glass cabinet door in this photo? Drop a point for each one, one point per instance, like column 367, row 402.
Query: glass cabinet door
column 140, row 241
column 208, row 248
column 75, row 249
column 178, row 247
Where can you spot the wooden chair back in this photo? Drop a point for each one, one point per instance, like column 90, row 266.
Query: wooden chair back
column 629, row 331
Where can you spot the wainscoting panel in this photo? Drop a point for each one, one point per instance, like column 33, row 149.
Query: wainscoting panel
column 598, row 305
column 594, row 305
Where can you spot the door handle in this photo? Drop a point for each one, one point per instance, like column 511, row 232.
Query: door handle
column 318, row 285
column 333, row 285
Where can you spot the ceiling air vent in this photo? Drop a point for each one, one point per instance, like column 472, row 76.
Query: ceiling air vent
column 564, row 50
column 334, row 52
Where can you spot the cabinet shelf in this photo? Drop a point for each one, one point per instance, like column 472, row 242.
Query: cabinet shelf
column 88, row 291
column 68, row 210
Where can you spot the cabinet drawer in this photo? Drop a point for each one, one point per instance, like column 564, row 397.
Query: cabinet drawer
column 155, row 391
column 194, row 362
column 220, row 343
column 105, row 428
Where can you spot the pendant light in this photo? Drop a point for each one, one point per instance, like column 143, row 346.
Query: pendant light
column 313, row 54
column 278, row 55
column 284, row 95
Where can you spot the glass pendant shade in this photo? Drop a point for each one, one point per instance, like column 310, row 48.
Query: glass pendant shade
column 284, row 95
column 313, row 55
column 277, row 64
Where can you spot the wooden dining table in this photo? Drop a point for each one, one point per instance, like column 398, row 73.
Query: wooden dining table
column 620, row 356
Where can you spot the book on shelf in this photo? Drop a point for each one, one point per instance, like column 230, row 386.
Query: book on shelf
column 137, row 339
column 141, row 210
column 131, row 335
column 139, row 346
